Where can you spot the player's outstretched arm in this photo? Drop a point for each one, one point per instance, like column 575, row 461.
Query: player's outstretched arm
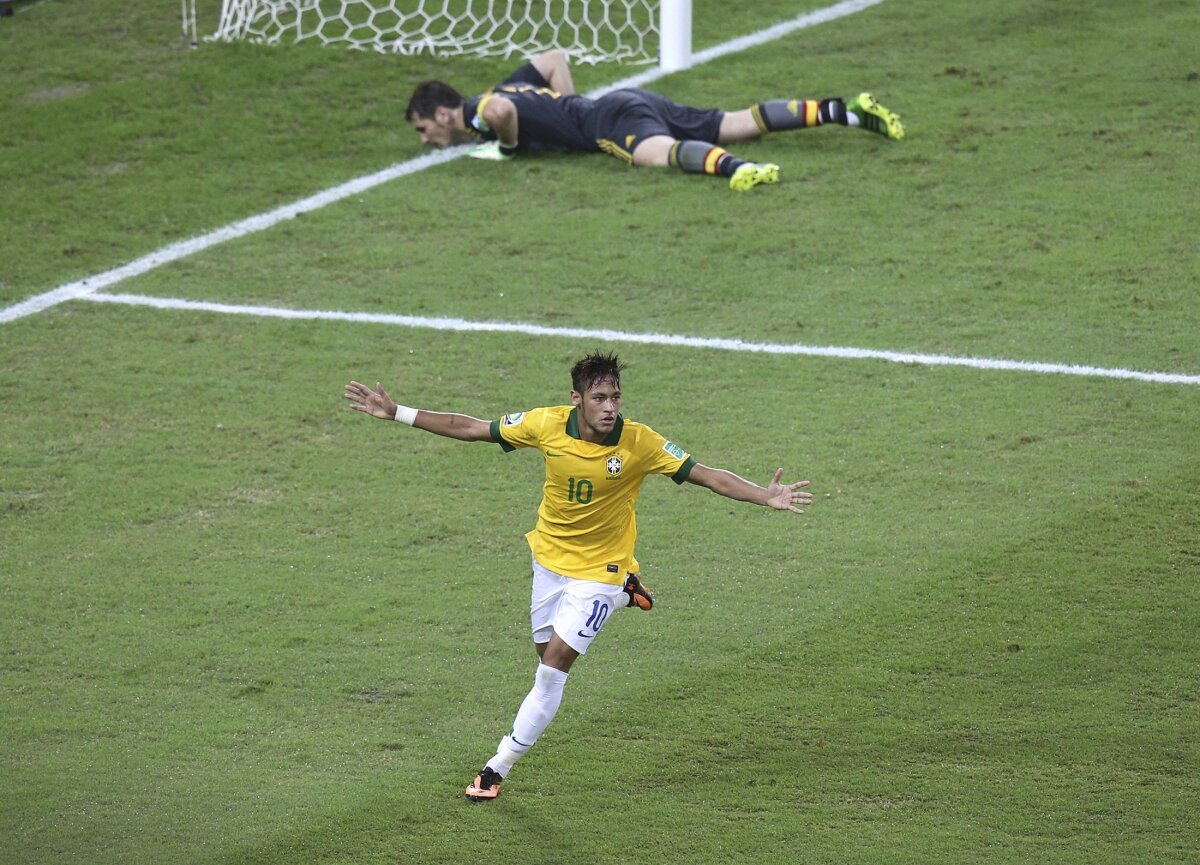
column 555, row 67
column 378, row 404
column 777, row 495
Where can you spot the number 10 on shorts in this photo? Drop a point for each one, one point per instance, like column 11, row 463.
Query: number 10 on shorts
column 599, row 614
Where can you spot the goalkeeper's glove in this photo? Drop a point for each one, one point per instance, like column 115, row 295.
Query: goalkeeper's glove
column 494, row 151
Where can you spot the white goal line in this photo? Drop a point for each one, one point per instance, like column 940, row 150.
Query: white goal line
column 606, row 335
column 182, row 249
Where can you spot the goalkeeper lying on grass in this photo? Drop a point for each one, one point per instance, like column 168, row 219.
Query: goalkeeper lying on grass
column 536, row 108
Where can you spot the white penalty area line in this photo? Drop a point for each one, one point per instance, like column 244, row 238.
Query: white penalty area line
column 184, row 248
column 603, row 335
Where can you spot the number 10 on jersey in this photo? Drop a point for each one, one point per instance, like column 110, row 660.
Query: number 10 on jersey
column 579, row 490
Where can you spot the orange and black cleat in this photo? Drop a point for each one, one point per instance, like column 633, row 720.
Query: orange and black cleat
column 639, row 596
column 485, row 786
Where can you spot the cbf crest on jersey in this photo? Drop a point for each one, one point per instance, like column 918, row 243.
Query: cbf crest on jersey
column 614, row 466
column 513, row 419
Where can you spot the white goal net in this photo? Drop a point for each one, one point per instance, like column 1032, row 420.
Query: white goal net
column 590, row 31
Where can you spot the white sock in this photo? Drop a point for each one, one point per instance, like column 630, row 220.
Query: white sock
column 536, row 712
column 507, row 754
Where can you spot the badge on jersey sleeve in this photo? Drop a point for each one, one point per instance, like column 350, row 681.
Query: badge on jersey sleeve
column 675, row 450
column 513, row 419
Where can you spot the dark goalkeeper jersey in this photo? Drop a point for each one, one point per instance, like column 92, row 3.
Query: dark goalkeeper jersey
column 547, row 120
column 616, row 123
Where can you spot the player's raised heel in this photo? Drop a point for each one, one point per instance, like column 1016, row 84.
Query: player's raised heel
column 485, row 786
column 639, row 596
column 873, row 117
column 751, row 174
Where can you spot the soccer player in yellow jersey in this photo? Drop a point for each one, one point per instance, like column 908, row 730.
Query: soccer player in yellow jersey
column 583, row 562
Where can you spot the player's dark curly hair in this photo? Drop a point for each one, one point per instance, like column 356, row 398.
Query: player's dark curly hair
column 428, row 97
column 595, row 368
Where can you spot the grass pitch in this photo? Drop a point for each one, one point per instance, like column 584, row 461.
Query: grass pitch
column 244, row 625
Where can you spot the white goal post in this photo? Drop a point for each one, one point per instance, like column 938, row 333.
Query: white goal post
column 590, row 31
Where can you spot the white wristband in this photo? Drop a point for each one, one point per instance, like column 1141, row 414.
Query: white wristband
column 407, row 415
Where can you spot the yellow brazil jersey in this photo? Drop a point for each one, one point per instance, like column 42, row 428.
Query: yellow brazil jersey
column 586, row 525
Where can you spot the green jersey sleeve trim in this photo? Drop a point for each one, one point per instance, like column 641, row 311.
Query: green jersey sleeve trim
column 499, row 439
column 684, row 470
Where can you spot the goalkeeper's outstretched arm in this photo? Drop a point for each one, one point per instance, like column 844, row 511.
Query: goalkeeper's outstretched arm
column 378, row 404
column 555, row 67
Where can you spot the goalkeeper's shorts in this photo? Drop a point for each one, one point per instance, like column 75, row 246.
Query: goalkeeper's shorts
column 623, row 119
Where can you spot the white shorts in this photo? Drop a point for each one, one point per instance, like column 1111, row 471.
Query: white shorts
column 576, row 610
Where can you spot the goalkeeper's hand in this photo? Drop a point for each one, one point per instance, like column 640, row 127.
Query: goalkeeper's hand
column 491, row 151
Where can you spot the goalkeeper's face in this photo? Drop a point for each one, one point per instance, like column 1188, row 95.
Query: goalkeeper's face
column 441, row 130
